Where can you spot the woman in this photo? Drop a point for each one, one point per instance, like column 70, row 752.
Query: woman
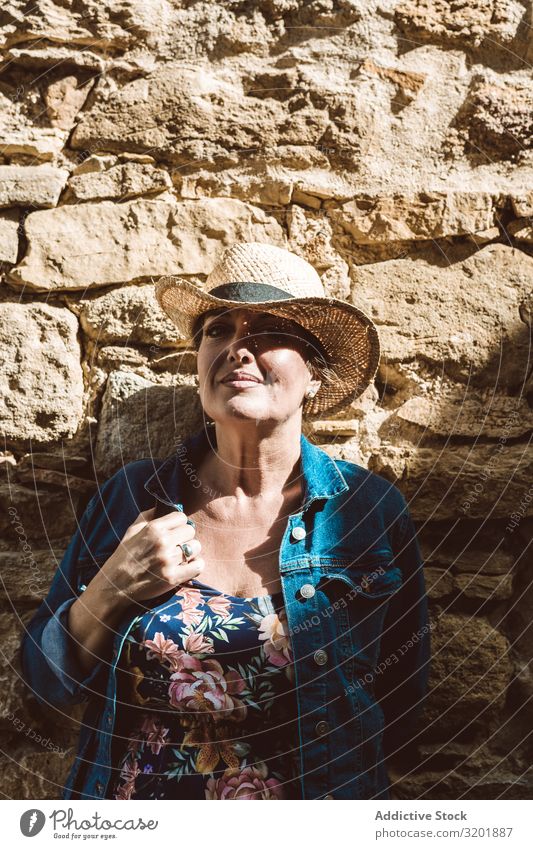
column 248, row 618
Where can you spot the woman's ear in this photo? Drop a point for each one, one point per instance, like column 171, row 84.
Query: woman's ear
column 313, row 388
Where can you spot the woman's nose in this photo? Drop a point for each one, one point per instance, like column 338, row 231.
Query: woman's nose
column 243, row 344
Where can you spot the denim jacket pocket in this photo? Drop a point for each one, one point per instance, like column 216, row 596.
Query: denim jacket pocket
column 359, row 596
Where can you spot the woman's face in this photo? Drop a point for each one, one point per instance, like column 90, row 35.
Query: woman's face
column 269, row 349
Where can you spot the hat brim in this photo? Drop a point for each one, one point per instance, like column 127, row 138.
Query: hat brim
column 349, row 336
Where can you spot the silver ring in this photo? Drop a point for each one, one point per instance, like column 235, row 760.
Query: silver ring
column 187, row 549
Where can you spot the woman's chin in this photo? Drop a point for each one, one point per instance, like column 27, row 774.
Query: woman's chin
column 239, row 407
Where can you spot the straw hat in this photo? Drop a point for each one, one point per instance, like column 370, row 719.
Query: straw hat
column 271, row 279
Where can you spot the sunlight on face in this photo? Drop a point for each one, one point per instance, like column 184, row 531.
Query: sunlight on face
column 270, row 349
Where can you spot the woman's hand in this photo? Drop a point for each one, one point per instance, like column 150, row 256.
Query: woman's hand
column 148, row 561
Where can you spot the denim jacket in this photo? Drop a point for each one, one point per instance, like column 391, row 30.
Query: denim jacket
column 354, row 592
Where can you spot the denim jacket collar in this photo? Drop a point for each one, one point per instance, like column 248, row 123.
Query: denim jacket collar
column 321, row 476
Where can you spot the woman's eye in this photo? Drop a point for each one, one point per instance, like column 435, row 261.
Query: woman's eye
column 214, row 329
column 273, row 330
column 282, row 336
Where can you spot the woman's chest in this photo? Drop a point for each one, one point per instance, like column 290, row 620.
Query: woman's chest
column 241, row 560
column 202, row 642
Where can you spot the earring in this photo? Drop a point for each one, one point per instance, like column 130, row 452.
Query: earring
column 310, row 393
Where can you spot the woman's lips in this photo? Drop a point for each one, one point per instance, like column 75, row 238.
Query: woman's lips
column 241, row 383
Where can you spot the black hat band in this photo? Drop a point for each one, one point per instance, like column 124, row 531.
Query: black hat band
column 250, row 292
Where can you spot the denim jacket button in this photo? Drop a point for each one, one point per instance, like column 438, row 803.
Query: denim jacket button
column 320, row 657
column 99, row 787
column 307, row 590
column 322, row 727
column 298, row 532
column 109, row 719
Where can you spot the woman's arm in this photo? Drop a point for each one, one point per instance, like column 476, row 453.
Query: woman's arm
column 66, row 647
column 92, row 622
column 49, row 662
column 146, row 564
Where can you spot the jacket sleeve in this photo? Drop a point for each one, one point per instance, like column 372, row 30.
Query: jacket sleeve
column 48, row 658
column 402, row 673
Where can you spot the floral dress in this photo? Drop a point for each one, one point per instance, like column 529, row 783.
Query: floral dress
column 206, row 707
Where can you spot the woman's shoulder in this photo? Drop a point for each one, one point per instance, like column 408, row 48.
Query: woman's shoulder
column 126, row 485
column 369, row 485
column 135, row 471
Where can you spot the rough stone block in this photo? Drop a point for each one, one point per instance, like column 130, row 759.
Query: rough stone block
column 91, row 245
column 41, row 385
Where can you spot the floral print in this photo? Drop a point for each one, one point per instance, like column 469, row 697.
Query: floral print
column 277, row 646
column 206, row 705
column 249, row 783
column 198, row 643
column 162, row 649
column 155, row 734
column 202, row 686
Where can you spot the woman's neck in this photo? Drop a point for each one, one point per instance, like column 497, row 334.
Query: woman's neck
column 256, row 462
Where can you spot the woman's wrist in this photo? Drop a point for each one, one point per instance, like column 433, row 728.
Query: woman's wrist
column 105, row 601
column 93, row 620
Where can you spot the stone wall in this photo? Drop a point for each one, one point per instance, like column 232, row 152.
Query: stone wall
column 390, row 144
